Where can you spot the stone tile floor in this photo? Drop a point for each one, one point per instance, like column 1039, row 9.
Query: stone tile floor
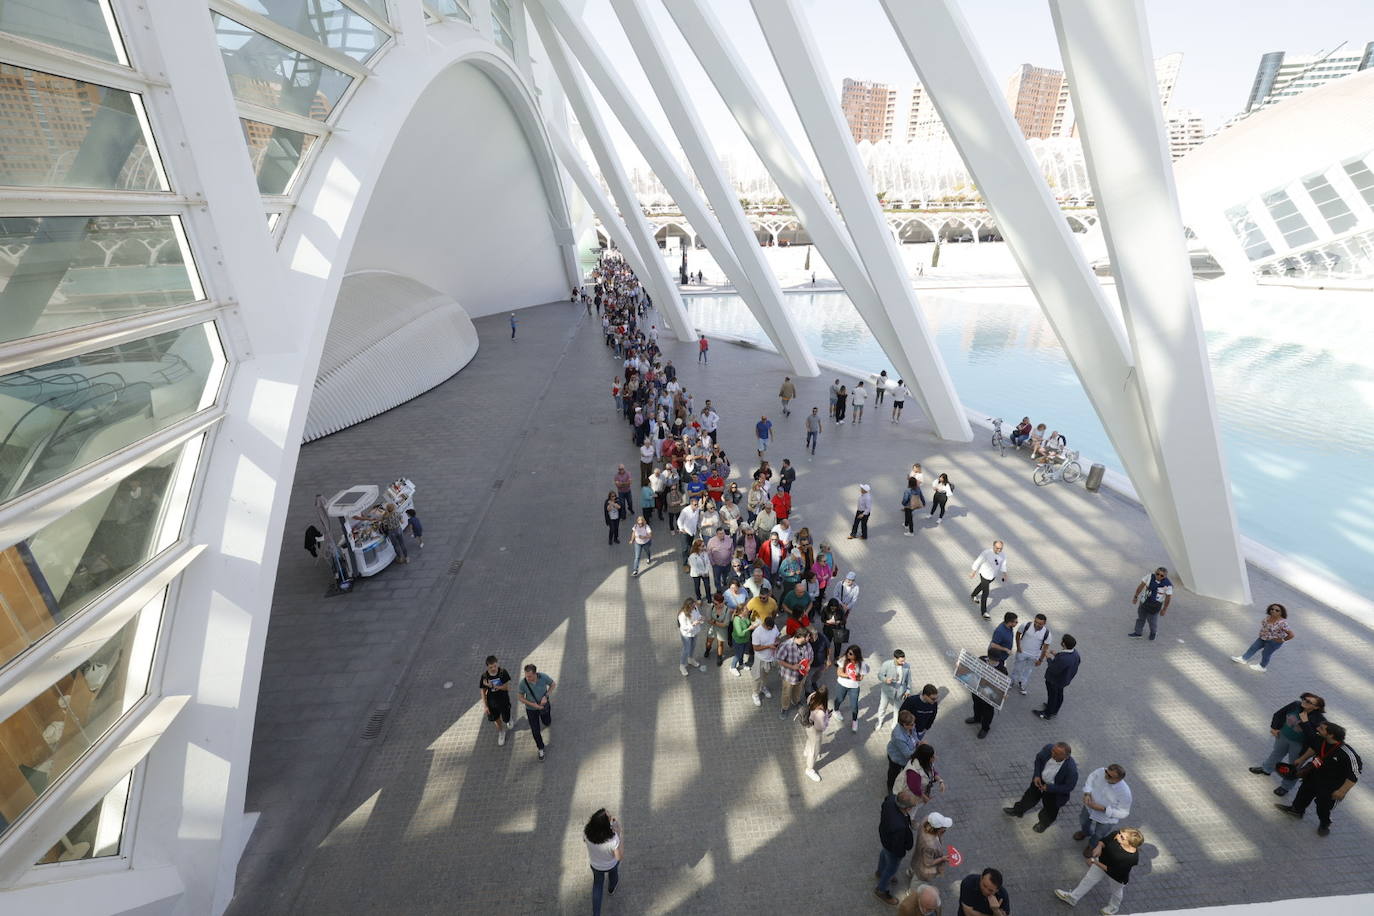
column 512, row 458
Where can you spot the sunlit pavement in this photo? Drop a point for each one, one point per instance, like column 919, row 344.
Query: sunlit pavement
column 513, row 457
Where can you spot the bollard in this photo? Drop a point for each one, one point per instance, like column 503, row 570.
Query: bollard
column 1094, row 480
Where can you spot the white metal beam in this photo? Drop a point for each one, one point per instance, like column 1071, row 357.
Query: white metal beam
column 731, row 241
column 910, row 356
column 971, row 104
column 1106, row 51
column 660, row 285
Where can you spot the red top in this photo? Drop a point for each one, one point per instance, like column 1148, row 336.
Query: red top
column 782, row 504
column 702, row 343
column 715, row 485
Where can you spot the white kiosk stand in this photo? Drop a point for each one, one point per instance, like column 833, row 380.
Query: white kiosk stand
column 365, row 548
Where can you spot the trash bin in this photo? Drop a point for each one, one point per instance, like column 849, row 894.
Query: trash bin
column 1094, row 480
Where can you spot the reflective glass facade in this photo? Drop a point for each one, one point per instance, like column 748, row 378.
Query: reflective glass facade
column 327, row 21
column 503, row 32
column 83, row 26
column 267, row 73
column 276, row 154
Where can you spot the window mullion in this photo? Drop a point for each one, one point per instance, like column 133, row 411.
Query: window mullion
column 34, row 55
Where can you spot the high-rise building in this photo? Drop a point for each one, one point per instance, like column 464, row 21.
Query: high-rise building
column 1186, row 131
column 870, row 108
column 1035, row 95
column 1281, row 75
column 923, row 124
column 1166, row 77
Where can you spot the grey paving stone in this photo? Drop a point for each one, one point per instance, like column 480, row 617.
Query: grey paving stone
column 434, row 817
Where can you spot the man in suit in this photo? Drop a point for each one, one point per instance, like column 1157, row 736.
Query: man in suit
column 1059, row 673
column 1053, row 779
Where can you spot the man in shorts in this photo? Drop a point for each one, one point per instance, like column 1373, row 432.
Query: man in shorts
column 495, row 687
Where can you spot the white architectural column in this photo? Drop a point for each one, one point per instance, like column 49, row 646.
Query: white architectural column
column 656, row 277
column 769, row 312
column 911, row 357
column 971, row 103
column 601, row 204
column 1106, row 51
column 668, row 87
column 799, row 62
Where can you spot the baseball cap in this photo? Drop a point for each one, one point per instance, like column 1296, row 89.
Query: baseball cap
column 865, row 487
column 851, row 575
column 939, row 821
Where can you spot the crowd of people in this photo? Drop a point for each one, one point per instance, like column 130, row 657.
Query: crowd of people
column 767, row 598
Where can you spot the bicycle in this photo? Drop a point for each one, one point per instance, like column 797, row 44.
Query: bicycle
column 1067, row 469
column 999, row 441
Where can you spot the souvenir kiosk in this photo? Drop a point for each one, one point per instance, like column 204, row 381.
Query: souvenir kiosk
column 357, row 511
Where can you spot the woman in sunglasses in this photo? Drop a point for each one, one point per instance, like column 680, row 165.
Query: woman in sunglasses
column 1293, row 727
column 1274, row 631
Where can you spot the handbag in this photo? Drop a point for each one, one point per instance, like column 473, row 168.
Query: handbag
column 841, row 635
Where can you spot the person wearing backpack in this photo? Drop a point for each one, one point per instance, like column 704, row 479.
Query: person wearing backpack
column 1152, row 597
column 1032, row 648
column 910, row 497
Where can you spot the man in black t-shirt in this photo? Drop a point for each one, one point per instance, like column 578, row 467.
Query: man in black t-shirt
column 1328, row 769
column 984, row 894
column 495, row 687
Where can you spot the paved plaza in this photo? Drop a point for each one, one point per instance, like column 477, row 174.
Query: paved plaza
column 382, row 788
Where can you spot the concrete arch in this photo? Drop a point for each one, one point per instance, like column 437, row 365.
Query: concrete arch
column 955, row 227
column 792, row 232
column 672, row 230
column 914, row 231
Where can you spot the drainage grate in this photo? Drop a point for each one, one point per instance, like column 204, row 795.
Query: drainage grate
column 455, row 567
column 373, row 728
column 498, row 483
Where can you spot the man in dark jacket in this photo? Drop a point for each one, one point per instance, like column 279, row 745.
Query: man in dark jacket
column 1328, row 769
column 924, row 706
column 1055, row 774
column 1059, row 673
column 894, row 830
column 1294, row 728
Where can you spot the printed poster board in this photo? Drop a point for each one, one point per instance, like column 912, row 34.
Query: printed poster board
column 982, row 679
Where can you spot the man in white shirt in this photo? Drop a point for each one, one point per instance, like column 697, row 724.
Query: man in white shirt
column 862, row 512
column 1032, row 648
column 783, row 529
column 765, row 639
column 688, row 521
column 710, row 420
column 1106, row 800
column 899, row 396
column 988, row 566
column 857, row 398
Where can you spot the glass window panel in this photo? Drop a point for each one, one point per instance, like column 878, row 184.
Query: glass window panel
column 1248, row 233
column 42, row 741
column 60, row 132
column 502, row 31
column 327, row 21
column 59, row 272
column 276, row 154
column 265, row 72
column 62, row 416
column 453, row 9
column 1333, row 208
column 84, row 26
column 1289, row 220
column 378, row 7
column 98, row 832
column 75, row 559
column 1363, row 179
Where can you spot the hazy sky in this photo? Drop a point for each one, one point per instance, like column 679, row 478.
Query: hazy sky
column 1221, row 41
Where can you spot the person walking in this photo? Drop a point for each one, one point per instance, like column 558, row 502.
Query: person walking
column 841, row 402
column 863, row 510
column 858, row 399
column 1054, row 773
column 894, row 683
column 1106, row 800
column 794, row 659
column 879, row 387
column 689, row 623
column 900, row 747
column 816, row 719
column 513, row 323
column 1059, row 673
column 919, row 776
column 834, row 397
column 849, row 674
column 1032, row 648
column 909, row 497
column 1152, row 597
column 605, row 851
column 642, row 538
column 536, row 693
column 1112, row 858
column 494, row 685
column 987, row 566
column 924, row 706
column 763, row 430
column 688, row 523
column 813, row 430
column 894, row 831
column 1294, row 728
column 1327, row 770
column 939, row 498
column 929, row 860
column 899, row 396
column 703, row 347
column 623, row 484
column 786, row 393
column 983, row 711
column 765, row 639
column 1274, row 631
column 611, row 511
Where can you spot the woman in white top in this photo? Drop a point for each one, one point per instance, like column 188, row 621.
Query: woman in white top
column 699, row 567
column 689, row 622
column 940, row 499
column 605, row 850
column 709, row 521
column 729, row 517
column 851, row 670
column 642, row 537
column 815, row 718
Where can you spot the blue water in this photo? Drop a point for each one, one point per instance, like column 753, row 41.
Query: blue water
column 1293, row 372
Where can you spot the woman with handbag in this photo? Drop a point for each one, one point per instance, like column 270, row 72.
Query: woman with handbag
column 1294, row 727
column 699, row 565
column 816, row 718
column 833, row 622
column 919, row 776
column 1274, row 631
column 611, row 510
column 824, row 568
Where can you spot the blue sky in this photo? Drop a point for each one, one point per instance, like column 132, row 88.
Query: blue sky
column 1221, row 41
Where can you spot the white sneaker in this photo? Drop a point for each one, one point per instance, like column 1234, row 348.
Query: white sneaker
column 757, row 701
column 736, row 672
column 854, row 725
column 1023, row 691
column 683, row 669
column 1108, row 910
column 767, row 693
column 909, row 534
column 1065, row 896
column 1237, row 659
column 501, row 737
column 1256, row 667
column 813, row 776
column 694, row 663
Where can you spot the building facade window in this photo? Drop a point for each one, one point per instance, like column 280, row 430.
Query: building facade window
column 1248, row 233
column 276, row 154
column 1329, row 203
column 98, row 832
column 84, row 26
column 1290, row 221
column 267, row 73
column 328, row 22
